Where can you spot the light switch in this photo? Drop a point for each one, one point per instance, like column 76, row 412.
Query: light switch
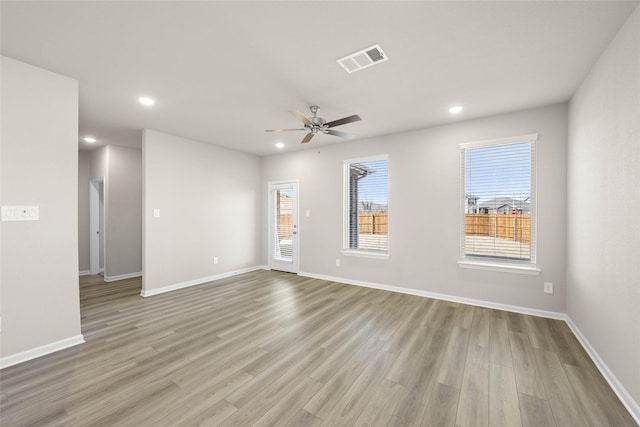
column 156, row 213
column 308, row 213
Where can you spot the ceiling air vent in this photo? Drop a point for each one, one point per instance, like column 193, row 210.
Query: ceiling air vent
column 364, row 58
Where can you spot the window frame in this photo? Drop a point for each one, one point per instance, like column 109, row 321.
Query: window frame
column 496, row 263
column 346, row 250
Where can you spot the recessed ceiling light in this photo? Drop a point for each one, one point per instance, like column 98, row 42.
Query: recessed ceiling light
column 279, row 144
column 455, row 109
column 90, row 140
column 145, row 100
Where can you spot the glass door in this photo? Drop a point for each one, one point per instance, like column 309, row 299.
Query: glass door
column 283, row 226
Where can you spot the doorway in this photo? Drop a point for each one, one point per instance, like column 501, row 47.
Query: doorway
column 96, row 226
column 283, row 226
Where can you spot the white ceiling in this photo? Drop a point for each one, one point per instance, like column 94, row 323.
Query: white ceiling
column 222, row 72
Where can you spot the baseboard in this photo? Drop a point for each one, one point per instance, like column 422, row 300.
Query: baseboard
column 443, row 297
column 617, row 387
column 122, row 276
column 43, row 350
column 84, row 273
column 200, row 281
column 620, row 391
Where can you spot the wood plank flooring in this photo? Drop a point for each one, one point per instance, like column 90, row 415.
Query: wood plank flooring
column 274, row 349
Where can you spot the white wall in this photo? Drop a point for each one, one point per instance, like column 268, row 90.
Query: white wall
column 424, row 203
column 603, row 263
column 121, row 169
column 84, row 174
column 39, row 259
column 209, row 202
column 124, row 212
column 100, row 162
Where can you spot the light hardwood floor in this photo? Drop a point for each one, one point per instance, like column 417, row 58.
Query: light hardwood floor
column 270, row 348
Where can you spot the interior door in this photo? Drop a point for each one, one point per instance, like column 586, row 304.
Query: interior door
column 283, row 226
column 96, row 226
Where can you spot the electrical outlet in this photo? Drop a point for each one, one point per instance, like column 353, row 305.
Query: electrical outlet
column 215, row 260
column 337, row 262
column 548, row 287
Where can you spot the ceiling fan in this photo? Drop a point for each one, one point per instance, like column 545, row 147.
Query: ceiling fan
column 315, row 124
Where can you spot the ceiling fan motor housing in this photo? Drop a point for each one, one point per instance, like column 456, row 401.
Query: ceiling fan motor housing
column 317, row 121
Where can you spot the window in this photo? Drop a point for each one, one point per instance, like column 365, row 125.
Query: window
column 499, row 201
column 366, row 207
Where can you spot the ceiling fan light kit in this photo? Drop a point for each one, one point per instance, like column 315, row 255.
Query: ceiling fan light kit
column 315, row 124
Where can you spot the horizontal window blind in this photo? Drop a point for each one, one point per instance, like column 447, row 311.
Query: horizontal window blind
column 366, row 206
column 283, row 216
column 499, row 199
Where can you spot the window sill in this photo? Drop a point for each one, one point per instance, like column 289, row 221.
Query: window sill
column 365, row 254
column 530, row 269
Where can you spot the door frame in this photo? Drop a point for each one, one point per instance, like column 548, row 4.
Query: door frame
column 95, row 227
column 294, row 266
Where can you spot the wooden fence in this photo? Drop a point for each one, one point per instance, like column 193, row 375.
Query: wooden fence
column 372, row 223
column 502, row 226
column 285, row 227
column 369, row 223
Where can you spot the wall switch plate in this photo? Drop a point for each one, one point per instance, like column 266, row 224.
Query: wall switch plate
column 156, row 213
column 308, row 213
column 337, row 262
column 20, row 213
column 215, row 260
column 548, row 287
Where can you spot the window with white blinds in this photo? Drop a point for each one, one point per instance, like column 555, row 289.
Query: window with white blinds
column 499, row 200
column 366, row 205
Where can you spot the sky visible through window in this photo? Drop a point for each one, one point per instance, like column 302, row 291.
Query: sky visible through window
column 498, row 171
column 373, row 187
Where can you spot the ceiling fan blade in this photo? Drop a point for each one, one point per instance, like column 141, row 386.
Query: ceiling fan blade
column 340, row 134
column 308, row 137
column 344, row 121
column 301, row 117
column 282, row 130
